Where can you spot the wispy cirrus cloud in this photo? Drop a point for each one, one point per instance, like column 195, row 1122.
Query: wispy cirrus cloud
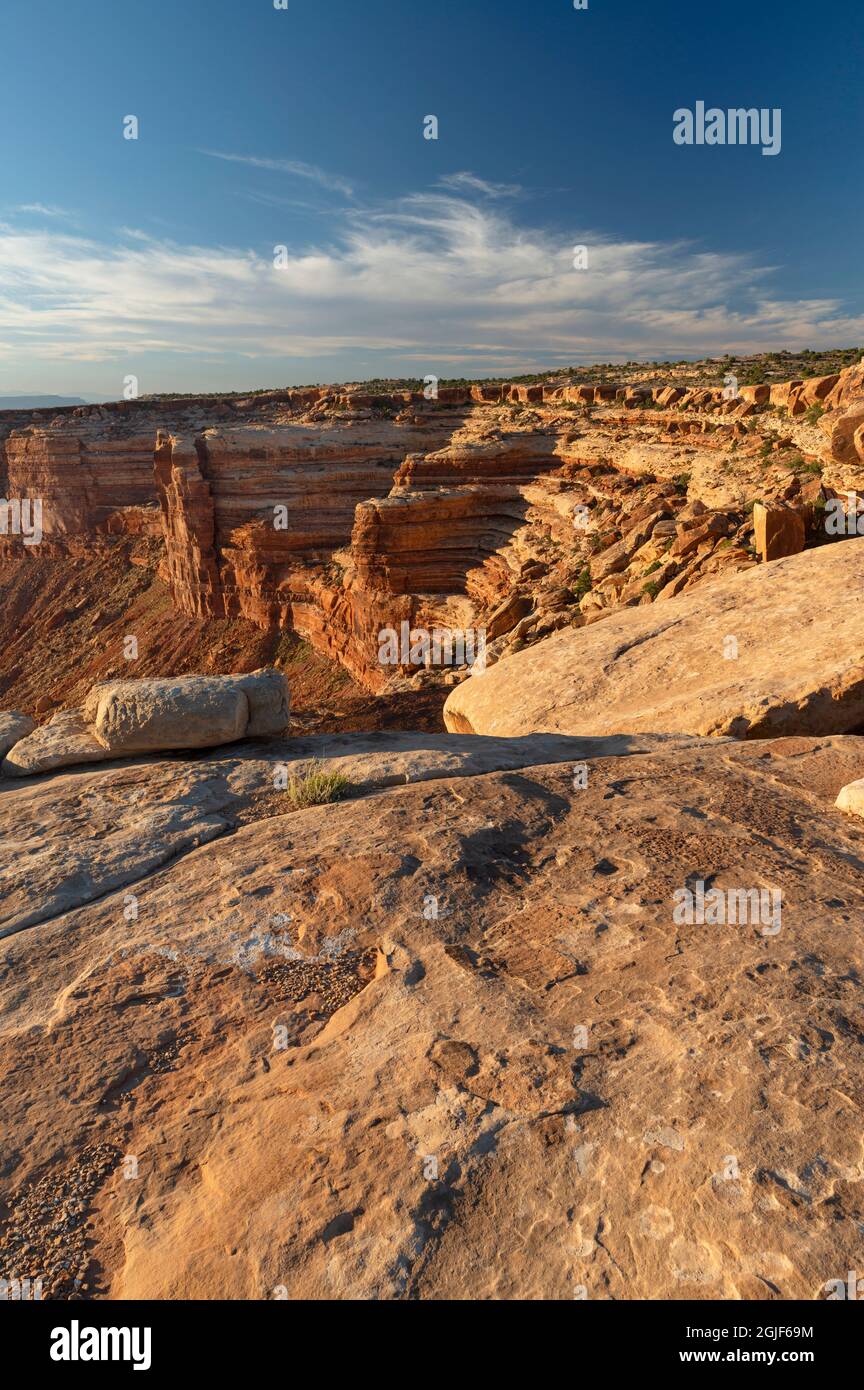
column 272, row 200
column 431, row 281
column 43, row 210
column 295, row 167
column 466, row 182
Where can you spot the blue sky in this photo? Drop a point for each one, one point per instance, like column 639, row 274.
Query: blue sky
column 262, row 128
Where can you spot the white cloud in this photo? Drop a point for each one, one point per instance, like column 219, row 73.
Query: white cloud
column 295, row 167
column 272, row 200
column 466, row 182
column 42, row 210
column 431, row 281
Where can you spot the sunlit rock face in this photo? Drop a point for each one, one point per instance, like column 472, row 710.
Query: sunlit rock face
column 339, row 515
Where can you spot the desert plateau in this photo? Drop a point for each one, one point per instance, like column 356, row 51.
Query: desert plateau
column 431, row 677
column 465, row 970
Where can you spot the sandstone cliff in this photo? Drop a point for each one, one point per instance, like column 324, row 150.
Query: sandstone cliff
column 518, row 510
column 447, row 1037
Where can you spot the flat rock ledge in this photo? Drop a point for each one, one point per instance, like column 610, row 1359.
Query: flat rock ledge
column 447, row 1038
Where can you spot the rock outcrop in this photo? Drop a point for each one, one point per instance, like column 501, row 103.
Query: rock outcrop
column 754, row 655
column 356, row 515
column 447, row 1040
column 82, row 477
column 778, row 531
column 468, row 1031
column 338, row 514
column 120, row 718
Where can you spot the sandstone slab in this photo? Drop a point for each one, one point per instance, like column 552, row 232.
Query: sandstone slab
column 269, row 702
column 99, row 829
column 507, row 614
column 186, row 712
column 778, row 531
column 752, row 655
column 447, row 1042
column 64, row 741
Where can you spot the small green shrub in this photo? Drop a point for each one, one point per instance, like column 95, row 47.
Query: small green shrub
column 291, row 648
column 582, row 585
column 316, row 787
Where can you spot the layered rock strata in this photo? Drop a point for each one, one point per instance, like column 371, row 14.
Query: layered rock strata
column 339, row 514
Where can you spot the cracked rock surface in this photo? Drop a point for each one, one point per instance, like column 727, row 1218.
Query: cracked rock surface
column 443, row 1039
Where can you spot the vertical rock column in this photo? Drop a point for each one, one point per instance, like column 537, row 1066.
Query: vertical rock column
column 191, row 567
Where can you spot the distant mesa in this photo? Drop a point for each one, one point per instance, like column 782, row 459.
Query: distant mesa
column 38, row 402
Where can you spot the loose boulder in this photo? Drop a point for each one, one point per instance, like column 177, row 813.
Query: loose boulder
column 269, row 702
column 190, row 712
column 510, row 611
column 13, row 727
column 842, row 431
column 121, row 718
column 63, row 742
column 851, row 798
column 778, row 531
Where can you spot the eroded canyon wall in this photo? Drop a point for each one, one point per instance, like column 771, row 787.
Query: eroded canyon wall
column 337, row 513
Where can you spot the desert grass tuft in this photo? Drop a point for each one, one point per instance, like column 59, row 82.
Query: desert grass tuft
column 316, row 787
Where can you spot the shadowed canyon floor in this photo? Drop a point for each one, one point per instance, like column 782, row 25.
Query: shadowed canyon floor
column 64, row 618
